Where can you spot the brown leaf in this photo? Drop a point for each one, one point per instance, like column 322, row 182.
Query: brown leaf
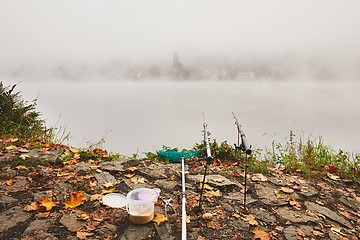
column 34, row 206
column 260, row 234
column 76, row 199
column 132, row 169
column 214, row 225
column 258, row 177
column 250, row 219
column 216, row 193
column 286, row 190
column 207, row 216
column 333, row 177
column 83, row 234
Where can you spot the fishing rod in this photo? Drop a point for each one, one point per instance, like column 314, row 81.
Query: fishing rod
column 208, row 156
column 243, row 146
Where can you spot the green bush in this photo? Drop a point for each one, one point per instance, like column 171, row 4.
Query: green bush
column 17, row 117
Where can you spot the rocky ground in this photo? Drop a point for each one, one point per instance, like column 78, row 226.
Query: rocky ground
column 55, row 192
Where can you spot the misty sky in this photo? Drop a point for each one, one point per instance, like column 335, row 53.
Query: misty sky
column 40, row 31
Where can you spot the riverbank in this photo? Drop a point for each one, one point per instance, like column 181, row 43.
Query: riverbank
column 55, row 192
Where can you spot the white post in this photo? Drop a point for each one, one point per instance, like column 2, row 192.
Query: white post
column 183, row 224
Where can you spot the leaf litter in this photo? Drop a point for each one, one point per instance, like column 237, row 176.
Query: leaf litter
column 222, row 214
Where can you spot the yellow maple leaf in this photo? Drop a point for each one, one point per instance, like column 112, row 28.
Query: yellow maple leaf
column 160, row 218
column 260, row 234
column 47, row 203
column 76, row 199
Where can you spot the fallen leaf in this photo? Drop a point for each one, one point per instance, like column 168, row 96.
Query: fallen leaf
column 188, row 218
column 319, row 202
column 106, row 191
column 201, row 238
column 47, row 203
column 74, row 150
column 333, row 177
column 9, row 182
column 294, row 203
column 317, row 233
column 216, row 193
column 286, row 190
column 83, row 234
column 108, row 184
column 11, row 147
column 250, row 219
column 214, row 225
column 236, row 215
column 160, row 219
column 21, row 167
column 24, row 156
column 83, row 216
column 11, row 140
column 97, row 197
column 260, row 234
column 137, row 180
column 129, row 175
column 76, row 199
column 300, row 232
column 34, row 206
column 258, row 177
column 206, row 186
column 279, row 228
column 207, row 216
column 336, row 230
column 132, row 169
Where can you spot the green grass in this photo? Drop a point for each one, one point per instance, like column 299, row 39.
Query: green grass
column 19, row 118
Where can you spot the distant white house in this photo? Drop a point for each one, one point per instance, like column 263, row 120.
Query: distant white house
column 245, row 76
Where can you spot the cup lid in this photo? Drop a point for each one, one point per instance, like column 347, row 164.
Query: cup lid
column 114, row 200
column 142, row 195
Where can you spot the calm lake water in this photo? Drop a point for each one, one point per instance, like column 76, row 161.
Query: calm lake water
column 143, row 116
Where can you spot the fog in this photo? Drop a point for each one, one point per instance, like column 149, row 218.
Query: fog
column 280, row 65
column 300, row 36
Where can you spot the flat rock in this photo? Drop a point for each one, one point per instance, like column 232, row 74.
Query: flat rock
column 105, row 177
column 238, row 196
column 39, row 225
column 294, row 216
column 164, row 231
column 112, row 166
column 266, row 193
column 12, row 217
column 263, row 215
column 327, row 213
column 20, row 184
column 166, row 184
column 70, row 221
column 214, row 180
column 138, row 232
column 290, row 233
column 6, row 200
